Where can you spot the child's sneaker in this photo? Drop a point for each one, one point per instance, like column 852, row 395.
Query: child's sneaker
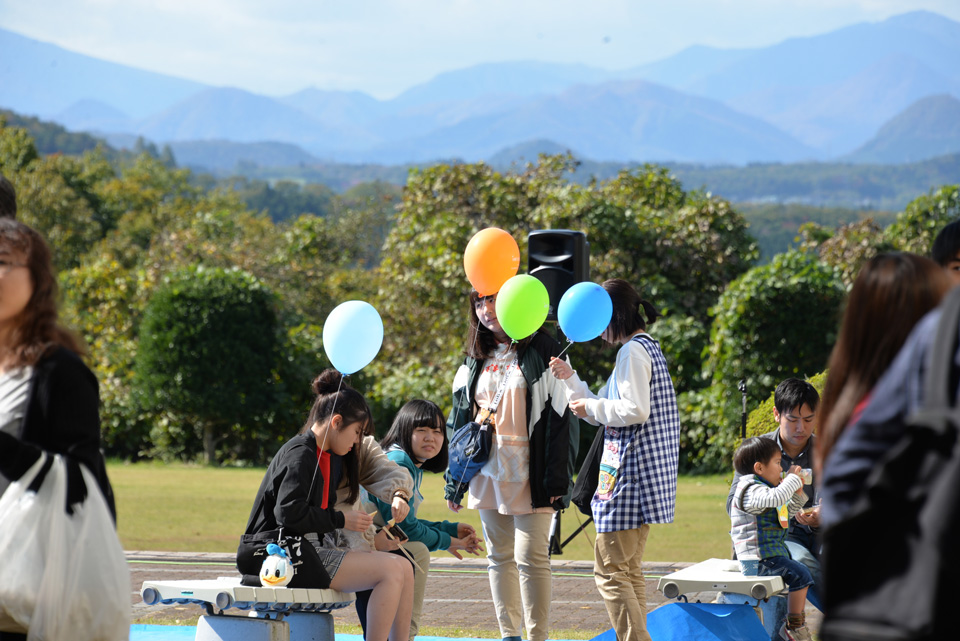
column 797, row 634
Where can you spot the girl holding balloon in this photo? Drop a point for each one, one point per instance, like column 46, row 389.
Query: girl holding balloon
column 299, row 492
column 637, row 409
column 528, row 475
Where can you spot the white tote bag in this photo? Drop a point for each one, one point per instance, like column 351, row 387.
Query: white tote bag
column 62, row 576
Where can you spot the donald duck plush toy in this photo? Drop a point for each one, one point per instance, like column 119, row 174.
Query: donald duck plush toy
column 277, row 570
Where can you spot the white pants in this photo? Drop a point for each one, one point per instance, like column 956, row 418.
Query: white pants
column 518, row 557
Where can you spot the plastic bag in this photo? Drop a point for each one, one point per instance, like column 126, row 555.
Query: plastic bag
column 63, row 576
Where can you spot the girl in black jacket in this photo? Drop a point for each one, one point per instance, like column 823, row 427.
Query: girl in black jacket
column 298, row 494
column 49, row 400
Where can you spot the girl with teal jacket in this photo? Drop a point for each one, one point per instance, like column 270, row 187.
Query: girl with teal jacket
column 417, row 441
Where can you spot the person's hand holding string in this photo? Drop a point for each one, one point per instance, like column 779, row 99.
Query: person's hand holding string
column 560, row 368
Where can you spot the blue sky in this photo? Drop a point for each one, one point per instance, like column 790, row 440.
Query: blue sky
column 382, row 47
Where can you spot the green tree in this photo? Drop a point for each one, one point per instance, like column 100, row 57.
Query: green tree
column 776, row 321
column 57, row 194
column 695, row 241
column 848, row 248
column 104, row 302
column 207, row 353
column 915, row 228
column 679, row 249
column 369, row 209
column 683, row 340
column 423, row 288
column 17, row 149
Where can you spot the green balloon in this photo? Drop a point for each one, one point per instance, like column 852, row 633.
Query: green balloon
column 522, row 306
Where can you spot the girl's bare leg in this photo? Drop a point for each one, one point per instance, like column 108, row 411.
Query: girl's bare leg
column 400, row 630
column 391, row 579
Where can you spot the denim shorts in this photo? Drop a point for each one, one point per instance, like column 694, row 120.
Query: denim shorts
column 795, row 574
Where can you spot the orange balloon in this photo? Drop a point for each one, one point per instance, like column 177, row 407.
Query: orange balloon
column 491, row 258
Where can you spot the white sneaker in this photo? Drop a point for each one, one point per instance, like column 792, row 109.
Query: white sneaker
column 797, row 634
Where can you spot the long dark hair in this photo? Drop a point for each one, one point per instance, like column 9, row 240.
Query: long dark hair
column 627, row 303
column 890, row 294
column 37, row 330
column 481, row 342
column 418, row 413
column 335, row 396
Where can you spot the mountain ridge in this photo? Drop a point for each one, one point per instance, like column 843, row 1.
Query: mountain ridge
column 815, row 97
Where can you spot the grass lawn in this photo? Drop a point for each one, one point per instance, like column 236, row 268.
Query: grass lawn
column 205, row 509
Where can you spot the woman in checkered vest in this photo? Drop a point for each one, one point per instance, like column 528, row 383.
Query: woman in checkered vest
column 637, row 409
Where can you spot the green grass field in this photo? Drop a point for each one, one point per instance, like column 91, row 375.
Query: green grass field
column 203, row 509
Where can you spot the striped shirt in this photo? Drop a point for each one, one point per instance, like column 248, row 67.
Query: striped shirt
column 755, row 527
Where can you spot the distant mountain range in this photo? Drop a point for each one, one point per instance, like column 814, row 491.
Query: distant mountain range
column 930, row 125
column 879, row 186
column 836, row 95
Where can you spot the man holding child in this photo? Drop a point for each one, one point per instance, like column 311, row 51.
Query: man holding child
column 795, row 410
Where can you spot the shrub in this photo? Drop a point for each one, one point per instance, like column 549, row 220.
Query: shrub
column 207, row 353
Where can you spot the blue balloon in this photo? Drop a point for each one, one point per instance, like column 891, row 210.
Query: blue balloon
column 352, row 335
column 584, row 312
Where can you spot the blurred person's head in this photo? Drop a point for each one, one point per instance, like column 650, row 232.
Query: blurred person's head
column 29, row 325
column 946, row 250
column 795, row 403
column 8, row 198
column 890, row 294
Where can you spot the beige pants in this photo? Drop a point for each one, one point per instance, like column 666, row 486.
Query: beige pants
column 518, row 561
column 619, row 575
column 421, row 555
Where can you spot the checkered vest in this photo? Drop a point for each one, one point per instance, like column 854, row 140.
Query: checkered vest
column 759, row 536
column 646, row 488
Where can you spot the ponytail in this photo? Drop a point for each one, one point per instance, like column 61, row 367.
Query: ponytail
column 651, row 312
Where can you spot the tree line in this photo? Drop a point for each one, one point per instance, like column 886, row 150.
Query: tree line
column 153, row 259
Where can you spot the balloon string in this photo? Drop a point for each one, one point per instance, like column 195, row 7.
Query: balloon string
column 325, row 433
column 569, row 343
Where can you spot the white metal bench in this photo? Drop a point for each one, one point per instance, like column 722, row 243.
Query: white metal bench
column 261, row 614
column 721, row 575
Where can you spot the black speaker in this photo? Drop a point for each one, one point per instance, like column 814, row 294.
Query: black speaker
column 558, row 258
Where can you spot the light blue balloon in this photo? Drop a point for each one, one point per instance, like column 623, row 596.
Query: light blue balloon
column 352, row 335
column 584, row 312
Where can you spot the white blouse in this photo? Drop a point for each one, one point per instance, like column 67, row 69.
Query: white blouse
column 625, row 399
column 14, row 388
